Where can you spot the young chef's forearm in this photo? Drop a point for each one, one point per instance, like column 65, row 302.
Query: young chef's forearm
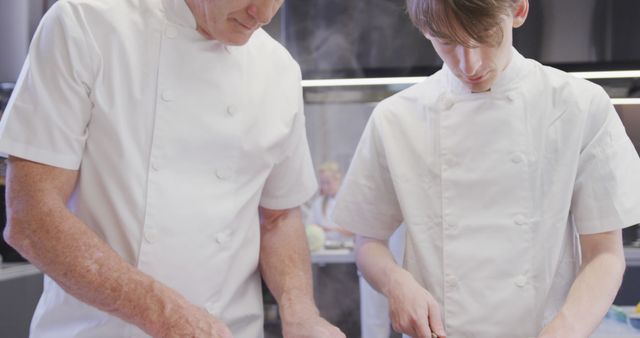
column 43, row 230
column 595, row 287
column 376, row 263
column 285, row 262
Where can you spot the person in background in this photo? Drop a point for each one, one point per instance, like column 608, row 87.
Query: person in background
column 513, row 180
column 146, row 141
column 334, row 283
column 329, row 178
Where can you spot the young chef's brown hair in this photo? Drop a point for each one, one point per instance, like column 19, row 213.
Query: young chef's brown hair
column 466, row 22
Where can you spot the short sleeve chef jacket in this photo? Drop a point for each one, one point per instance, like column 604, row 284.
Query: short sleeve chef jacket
column 178, row 140
column 494, row 189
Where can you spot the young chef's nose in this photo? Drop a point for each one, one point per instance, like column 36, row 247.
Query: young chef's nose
column 262, row 11
column 469, row 61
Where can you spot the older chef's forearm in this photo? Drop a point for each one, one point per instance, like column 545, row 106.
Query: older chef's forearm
column 285, row 262
column 43, row 230
column 594, row 289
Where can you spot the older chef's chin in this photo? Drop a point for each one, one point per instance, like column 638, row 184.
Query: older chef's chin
column 236, row 35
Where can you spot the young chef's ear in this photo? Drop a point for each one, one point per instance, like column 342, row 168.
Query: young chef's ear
column 520, row 13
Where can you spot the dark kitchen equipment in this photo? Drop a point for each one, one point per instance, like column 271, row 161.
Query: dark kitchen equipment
column 5, row 91
column 7, row 252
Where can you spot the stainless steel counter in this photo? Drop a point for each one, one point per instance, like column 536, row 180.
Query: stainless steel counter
column 329, row 256
column 632, row 256
column 333, row 256
column 610, row 328
column 16, row 270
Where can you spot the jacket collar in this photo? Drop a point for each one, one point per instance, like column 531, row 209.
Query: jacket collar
column 179, row 13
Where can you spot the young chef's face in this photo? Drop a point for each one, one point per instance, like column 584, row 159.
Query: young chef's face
column 232, row 21
column 479, row 66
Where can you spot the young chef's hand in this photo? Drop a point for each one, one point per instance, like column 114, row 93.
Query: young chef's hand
column 196, row 322
column 412, row 309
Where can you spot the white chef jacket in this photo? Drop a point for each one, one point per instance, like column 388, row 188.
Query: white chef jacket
column 494, row 189
column 178, row 140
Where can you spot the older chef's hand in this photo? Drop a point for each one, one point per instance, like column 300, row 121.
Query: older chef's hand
column 196, row 322
column 412, row 309
column 308, row 324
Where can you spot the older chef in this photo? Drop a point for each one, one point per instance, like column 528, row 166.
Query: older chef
column 144, row 138
column 513, row 179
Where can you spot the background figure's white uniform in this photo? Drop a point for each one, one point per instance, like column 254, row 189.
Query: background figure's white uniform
column 494, row 188
column 374, row 307
column 316, row 216
column 178, row 140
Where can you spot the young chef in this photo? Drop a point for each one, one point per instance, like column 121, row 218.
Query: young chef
column 144, row 136
column 513, row 179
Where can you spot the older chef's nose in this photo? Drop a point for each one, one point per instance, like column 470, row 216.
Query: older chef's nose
column 470, row 61
column 263, row 10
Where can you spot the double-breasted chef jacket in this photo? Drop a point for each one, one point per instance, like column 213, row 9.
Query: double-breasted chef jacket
column 178, row 140
column 494, row 189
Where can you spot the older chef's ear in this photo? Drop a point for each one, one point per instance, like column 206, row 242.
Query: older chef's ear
column 520, row 13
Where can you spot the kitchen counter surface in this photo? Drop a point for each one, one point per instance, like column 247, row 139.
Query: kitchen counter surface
column 610, row 328
column 326, row 256
column 333, row 256
column 16, row 270
column 632, row 255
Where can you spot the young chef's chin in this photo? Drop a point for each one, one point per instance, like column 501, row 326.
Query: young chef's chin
column 478, row 83
column 483, row 84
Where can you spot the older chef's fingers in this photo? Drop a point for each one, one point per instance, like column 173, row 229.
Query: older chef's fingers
column 193, row 321
column 224, row 332
column 337, row 333
column 332, row 331
column 218, row 327
column 435, row 319
column 224, row 335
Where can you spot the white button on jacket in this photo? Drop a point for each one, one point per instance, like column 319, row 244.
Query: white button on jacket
column 232, row 110
column 138, row 100
column 171, row 32
column 436, row 155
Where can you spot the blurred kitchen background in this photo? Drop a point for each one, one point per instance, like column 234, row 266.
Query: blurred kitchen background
column 354, row 53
